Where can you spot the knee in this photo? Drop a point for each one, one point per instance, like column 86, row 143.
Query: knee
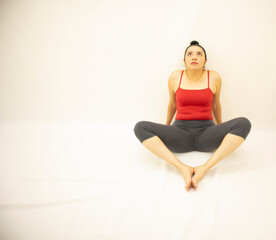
column 244, row 123
column 243, row 127
column 139, row 126
column 141, row 130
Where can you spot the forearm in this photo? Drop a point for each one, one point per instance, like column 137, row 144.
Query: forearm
column 170, row 113
column 217, row 113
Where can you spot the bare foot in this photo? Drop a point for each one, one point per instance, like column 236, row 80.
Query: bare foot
column 199, row 173
column 187, row 172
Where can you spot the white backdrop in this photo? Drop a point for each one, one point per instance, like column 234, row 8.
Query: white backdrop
column 76, row 75
column 109, row 61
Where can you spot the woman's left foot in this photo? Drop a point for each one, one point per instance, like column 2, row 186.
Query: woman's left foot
column 199, row 173
column 187, row 172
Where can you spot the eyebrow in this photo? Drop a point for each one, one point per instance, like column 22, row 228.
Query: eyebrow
column 197, row 51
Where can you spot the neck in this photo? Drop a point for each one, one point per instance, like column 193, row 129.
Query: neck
column 194, row 74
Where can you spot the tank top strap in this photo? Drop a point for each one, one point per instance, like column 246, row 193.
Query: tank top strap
column 180, row 79
column 208, row 78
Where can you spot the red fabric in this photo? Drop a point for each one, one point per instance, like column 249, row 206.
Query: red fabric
column 194, row 104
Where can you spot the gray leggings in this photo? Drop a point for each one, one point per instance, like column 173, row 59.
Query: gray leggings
column 192, row 135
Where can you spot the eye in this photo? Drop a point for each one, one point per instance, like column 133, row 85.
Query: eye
column 200, row 53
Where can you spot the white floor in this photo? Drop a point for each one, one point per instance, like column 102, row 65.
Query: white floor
column 98, row 182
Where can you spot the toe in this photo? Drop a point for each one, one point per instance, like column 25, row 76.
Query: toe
column 194, row 184
column 188, row 185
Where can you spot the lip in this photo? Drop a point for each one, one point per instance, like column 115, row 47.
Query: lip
column 194, row 63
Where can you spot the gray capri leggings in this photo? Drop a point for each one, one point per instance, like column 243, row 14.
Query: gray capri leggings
column 192, row 135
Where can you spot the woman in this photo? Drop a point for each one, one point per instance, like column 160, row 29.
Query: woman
column 194, row 94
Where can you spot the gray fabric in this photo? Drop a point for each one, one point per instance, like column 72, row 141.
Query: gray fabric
column 192, row 135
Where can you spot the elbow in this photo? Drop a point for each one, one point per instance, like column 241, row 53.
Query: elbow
column 216, row 106
column 216, row 109
column 172, row 105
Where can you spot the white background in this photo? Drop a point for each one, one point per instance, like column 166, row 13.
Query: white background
column 75, row 77
column 109, row 61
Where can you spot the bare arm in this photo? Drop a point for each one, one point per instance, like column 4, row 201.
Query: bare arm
column 216, row 101
column 172, row 104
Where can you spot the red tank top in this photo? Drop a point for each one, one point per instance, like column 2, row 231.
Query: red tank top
column 194, row 104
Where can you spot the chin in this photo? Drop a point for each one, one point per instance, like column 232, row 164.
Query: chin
column 196, row 67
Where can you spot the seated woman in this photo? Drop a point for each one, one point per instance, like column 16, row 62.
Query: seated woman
column 194, row 94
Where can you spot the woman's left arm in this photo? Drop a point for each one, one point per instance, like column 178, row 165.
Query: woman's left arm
column 216, row 101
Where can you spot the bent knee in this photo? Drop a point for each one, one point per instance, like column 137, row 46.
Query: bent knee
column 242, row 127
column 244, row 123
column 141, row 131
column 139, row 126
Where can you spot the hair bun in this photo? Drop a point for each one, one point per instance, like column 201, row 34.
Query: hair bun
column 194, row 42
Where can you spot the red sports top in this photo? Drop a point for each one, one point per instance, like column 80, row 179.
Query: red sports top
column 194, row 104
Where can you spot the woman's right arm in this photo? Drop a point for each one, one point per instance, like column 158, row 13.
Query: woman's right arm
column 172, row 104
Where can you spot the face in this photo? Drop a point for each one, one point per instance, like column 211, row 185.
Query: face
column 195, row 54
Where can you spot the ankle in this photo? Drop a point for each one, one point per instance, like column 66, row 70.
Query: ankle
column 206, row 167
column 183, row 167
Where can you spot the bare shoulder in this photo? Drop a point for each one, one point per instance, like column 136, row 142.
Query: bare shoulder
column 174, row 78
column 215, row 76
column 175, row 73
column 171, row 85
column 215, row 82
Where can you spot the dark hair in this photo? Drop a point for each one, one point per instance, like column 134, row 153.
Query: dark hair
column 195, row 43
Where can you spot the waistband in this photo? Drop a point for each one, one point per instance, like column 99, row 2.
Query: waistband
column 193, row 123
